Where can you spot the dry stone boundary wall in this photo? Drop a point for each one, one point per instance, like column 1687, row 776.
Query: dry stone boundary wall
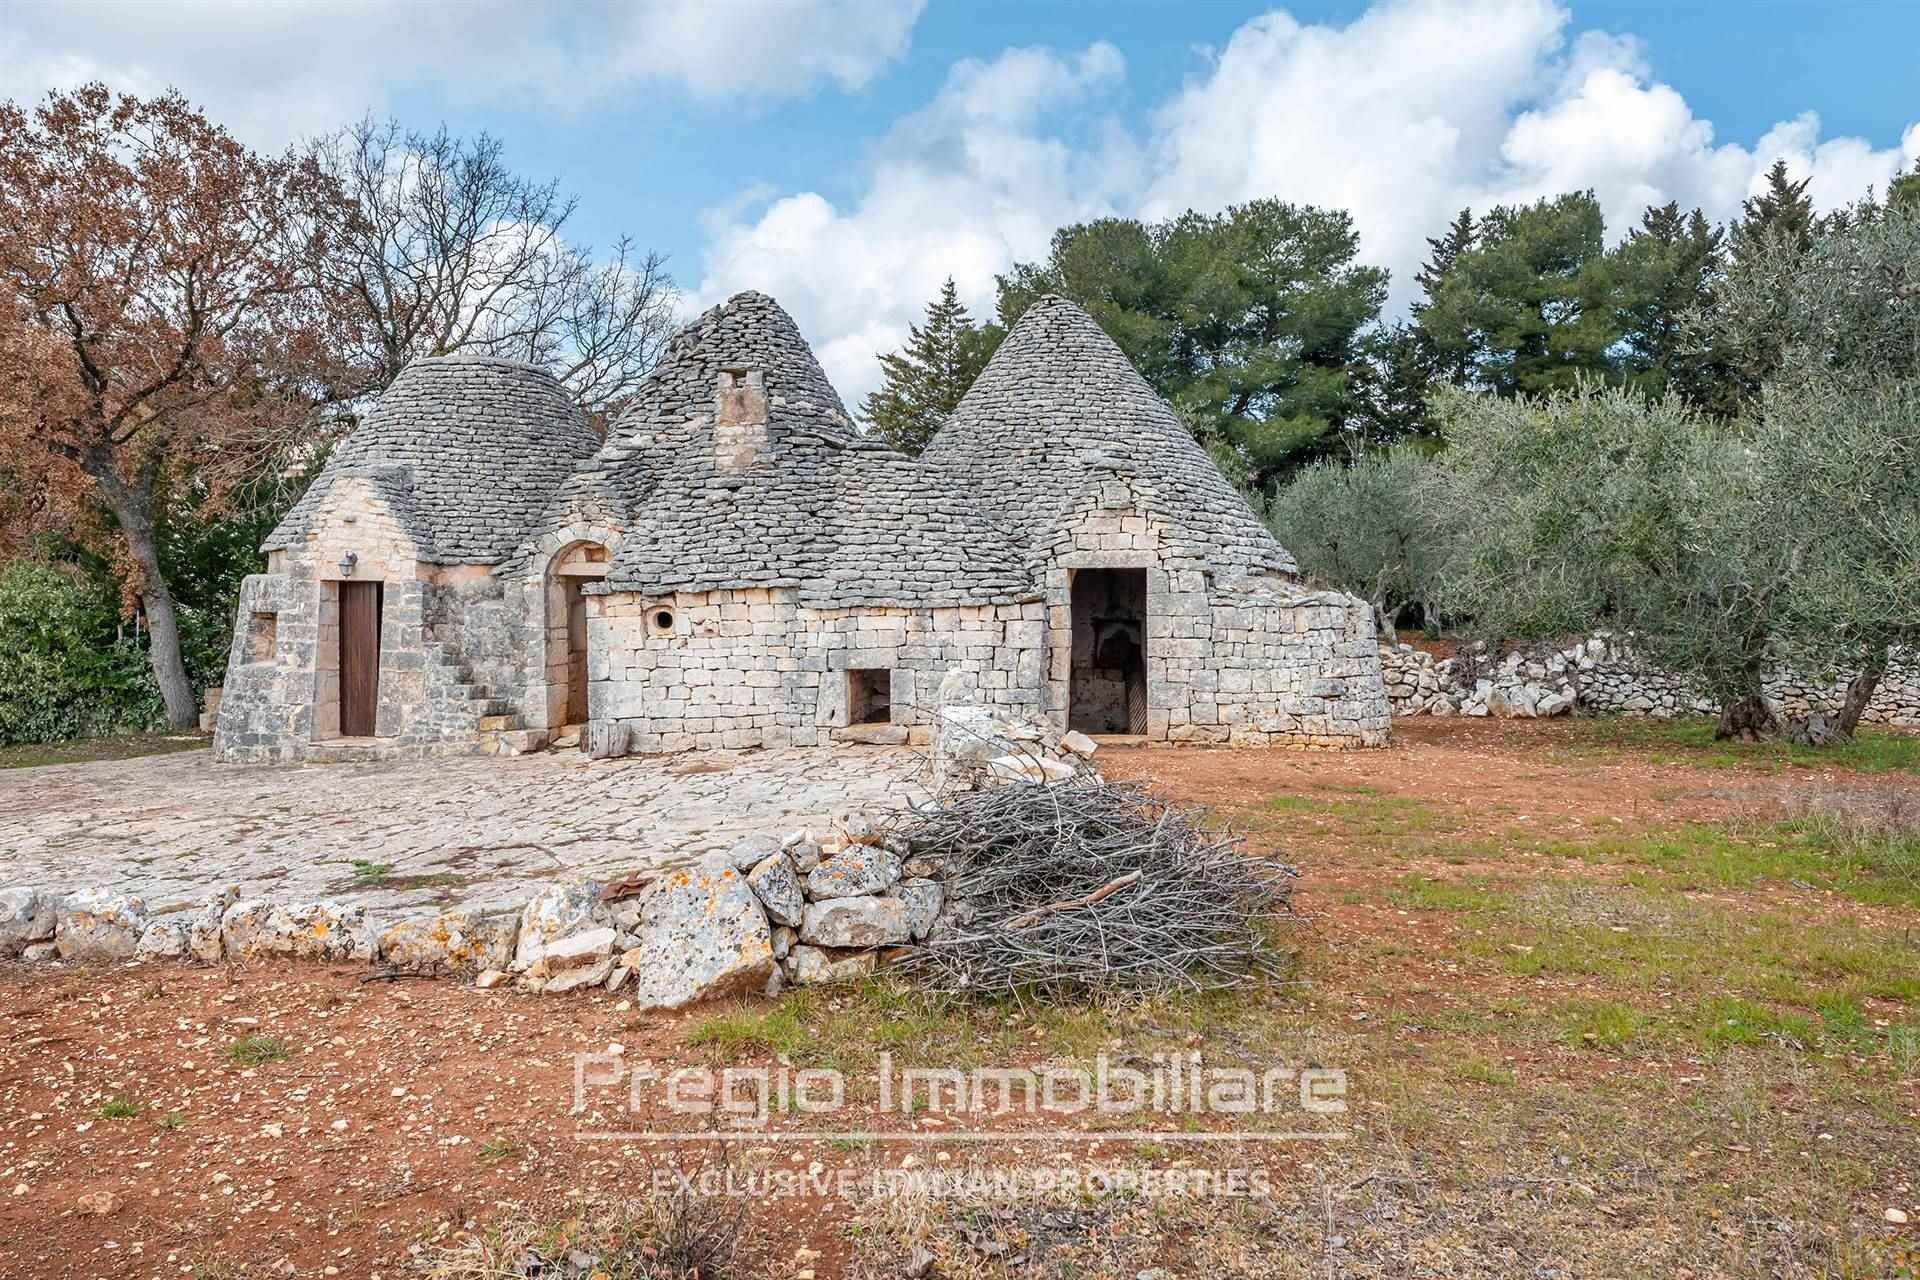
column 1603, row 674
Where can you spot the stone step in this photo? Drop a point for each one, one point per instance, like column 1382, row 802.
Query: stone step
column 347, row 751
column 499, row 723
column 512, row 742
column 494, row 706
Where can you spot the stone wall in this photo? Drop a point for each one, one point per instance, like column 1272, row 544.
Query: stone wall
column 1604, row 675
column 437, row 625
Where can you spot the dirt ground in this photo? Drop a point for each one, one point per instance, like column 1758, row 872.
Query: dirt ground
column 1523, row 1106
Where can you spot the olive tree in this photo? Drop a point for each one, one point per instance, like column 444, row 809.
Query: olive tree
column 1597, row 506
column 1372, row 528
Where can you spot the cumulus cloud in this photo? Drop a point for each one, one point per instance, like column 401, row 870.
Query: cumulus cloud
column 980, row 177
column 1412, row 111
column 275, row 72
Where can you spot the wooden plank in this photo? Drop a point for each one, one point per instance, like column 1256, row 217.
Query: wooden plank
column 359, row 657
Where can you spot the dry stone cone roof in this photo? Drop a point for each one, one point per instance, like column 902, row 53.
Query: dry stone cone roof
column 841, row 520
column 465, row 449
column 1059, row 411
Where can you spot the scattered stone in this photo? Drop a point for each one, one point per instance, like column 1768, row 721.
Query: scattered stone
column 1016, row 768
column 922, row 899
column 38, row 951
column 753, row 850
column 859, row 828
column 778, row 887
column 578, row 960
column 855, row 870
column 254, row 928
column 783, row 940
column 1079, row 744
column 491, row 978
column 856, row 922
column 98, row 924
column 26, row 916
column 776, row 983
column 552, row 915
column 206, row 934
column 703, row 934
column 805, row 855
column 162, row 940
column 457, row 942
column 812, row 966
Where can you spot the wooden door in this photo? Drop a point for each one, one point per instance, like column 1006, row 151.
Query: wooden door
column 576, row 654
column 359, row 657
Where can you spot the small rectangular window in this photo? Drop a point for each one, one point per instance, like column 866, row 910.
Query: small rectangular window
column 261, row 630
column 869, row 696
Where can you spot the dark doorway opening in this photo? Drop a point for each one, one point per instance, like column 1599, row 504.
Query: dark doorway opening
column 1107, row 684
column 576, row 651
column 359, row 657
column 869, row 696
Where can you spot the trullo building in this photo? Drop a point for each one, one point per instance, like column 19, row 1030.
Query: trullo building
column 735, row 566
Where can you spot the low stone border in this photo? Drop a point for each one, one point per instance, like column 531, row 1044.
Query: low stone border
column 773, row 910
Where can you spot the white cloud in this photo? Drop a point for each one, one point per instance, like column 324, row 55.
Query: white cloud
column 978, row 178
column 1409, row 113
column 276, row 72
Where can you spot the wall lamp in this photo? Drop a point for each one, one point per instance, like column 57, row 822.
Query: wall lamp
column 347, row 562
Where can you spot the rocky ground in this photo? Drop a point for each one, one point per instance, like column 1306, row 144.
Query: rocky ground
column 1602, row 1013
column 412, row 836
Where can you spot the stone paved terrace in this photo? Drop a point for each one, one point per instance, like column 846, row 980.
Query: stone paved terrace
column 457, row 831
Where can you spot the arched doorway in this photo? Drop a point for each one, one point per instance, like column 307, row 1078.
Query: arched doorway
column 571, row 570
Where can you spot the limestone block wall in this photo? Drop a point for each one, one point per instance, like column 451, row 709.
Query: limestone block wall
column 1233, row 656
column 747, row 668
column 281, row 699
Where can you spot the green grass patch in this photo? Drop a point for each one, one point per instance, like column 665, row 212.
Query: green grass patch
column 32, row 755
column 120, row 1107
column 1601, row 1024
column 1425, row 893
column 365, row 870
column 1690, row 740
column 255, row 1051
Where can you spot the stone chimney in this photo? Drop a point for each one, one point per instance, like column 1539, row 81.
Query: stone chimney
column 740, row 437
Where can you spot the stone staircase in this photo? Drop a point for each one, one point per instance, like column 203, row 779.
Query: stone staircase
column 499, row 726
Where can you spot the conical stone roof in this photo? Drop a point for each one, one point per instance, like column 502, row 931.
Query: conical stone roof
column 838, row 519
column 1059, row 411
column 465, row 449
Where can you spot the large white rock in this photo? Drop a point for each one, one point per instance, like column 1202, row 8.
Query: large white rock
column 856, row 922
column 856, row 869
column 206, row 932
column 555, row 913
column 577, row 960
column 26, row 917
column 1079, row 744
column 98, row 924
column 778, row 887
column 701, row 934
column 922, row 899
column 456, row 942
column 811, row 966
column 1024, row 768
column 255, row 928
column 162, row 940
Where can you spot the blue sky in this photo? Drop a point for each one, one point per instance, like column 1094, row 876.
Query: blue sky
column 845, row 155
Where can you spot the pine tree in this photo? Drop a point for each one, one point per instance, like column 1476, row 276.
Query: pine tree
column 925, row 381
column 1904, row 191
column 1784, row 211
column 1449, row 355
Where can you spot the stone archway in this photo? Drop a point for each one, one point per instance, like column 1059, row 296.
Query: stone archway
column 571, row 569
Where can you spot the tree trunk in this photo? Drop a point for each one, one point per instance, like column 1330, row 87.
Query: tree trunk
column 1747, row 719
column 133, row 507
column 1860, row 693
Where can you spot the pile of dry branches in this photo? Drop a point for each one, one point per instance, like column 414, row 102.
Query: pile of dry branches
column 1090, row 884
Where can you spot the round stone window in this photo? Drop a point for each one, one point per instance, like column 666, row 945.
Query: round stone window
column 661, row 620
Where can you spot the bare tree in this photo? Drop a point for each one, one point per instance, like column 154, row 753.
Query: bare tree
column 158, row 322
column 454, row 252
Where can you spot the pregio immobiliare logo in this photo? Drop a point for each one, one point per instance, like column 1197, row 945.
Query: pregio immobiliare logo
column 639, row 1102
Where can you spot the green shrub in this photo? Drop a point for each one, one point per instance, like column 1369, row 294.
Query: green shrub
column 69, row 667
